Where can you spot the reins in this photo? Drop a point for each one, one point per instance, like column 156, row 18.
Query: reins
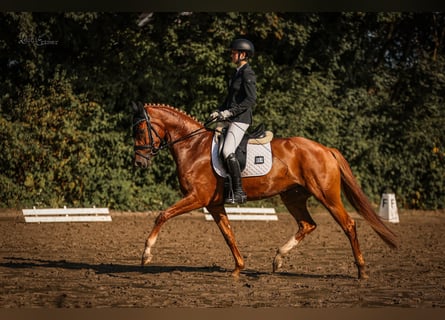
column 163, row 143
column 187, row 136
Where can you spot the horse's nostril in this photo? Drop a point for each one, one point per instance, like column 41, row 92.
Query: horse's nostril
column 141, row 163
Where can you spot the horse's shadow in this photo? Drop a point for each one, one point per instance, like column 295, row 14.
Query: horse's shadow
column 114, row 269
column 101, row 268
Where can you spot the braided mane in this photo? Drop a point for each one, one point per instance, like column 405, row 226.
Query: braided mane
column 174, row 109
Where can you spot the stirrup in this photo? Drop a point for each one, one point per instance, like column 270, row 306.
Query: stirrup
column 236, row 197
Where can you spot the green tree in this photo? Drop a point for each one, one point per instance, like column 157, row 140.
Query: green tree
column 369, row 84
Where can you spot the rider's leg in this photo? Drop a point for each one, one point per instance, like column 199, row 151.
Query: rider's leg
column 238, row 195
column 233, row 138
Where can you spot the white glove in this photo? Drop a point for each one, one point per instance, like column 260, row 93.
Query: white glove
column 214, row 115
column 224, row 115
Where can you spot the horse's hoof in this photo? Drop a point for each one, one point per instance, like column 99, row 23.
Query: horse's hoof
column 277, row 263
column 362, row 274
column 146, row 258
column 236, row 273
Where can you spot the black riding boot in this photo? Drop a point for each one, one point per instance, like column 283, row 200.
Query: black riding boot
column 237, row 195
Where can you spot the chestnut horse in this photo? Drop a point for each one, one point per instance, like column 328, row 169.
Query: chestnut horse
column 301, row 168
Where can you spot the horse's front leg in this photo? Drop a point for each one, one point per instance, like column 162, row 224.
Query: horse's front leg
column 151, row 240
column 185, row 205
column 219, row 215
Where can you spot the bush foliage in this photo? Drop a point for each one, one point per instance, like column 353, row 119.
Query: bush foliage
column 370, row 84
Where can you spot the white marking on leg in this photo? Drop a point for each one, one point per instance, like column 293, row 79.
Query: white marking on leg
column 151, row 242
column 147, row 256
column 278, row 260
column 288, row 246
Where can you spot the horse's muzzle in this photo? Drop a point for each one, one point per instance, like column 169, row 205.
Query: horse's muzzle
column 141, row 162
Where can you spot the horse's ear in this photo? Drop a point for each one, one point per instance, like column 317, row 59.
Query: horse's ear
column 134, row 107
column 137, row 108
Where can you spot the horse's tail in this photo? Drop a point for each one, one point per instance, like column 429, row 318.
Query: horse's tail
column 360, row 202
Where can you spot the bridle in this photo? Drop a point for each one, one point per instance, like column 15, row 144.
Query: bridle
column 151, row 145
column 163, row 143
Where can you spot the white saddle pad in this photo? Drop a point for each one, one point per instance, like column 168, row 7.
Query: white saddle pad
column 258, row 161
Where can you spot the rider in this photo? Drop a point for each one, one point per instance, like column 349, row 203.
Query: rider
column 237, row 111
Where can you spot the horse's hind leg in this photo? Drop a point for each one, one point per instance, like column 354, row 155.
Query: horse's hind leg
column 295, row 201
column 331, row 199
column 340, row 215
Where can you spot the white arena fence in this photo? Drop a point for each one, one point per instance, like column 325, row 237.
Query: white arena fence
column 67, row 215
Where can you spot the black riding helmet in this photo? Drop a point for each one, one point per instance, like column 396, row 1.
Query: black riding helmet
column 243, row 45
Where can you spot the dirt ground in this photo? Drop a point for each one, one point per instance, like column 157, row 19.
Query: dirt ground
column 97, row 264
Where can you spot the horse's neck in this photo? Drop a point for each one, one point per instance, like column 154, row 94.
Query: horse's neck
column 177, row 123
column 189, row 139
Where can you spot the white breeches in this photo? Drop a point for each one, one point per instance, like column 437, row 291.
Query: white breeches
column 234, row 135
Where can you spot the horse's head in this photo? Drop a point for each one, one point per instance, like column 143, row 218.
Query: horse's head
column 147, row 139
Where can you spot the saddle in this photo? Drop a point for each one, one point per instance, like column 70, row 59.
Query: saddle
column 256, row 136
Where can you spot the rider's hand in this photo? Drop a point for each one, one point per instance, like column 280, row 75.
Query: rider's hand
column 214, row 115
column 224, row 115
